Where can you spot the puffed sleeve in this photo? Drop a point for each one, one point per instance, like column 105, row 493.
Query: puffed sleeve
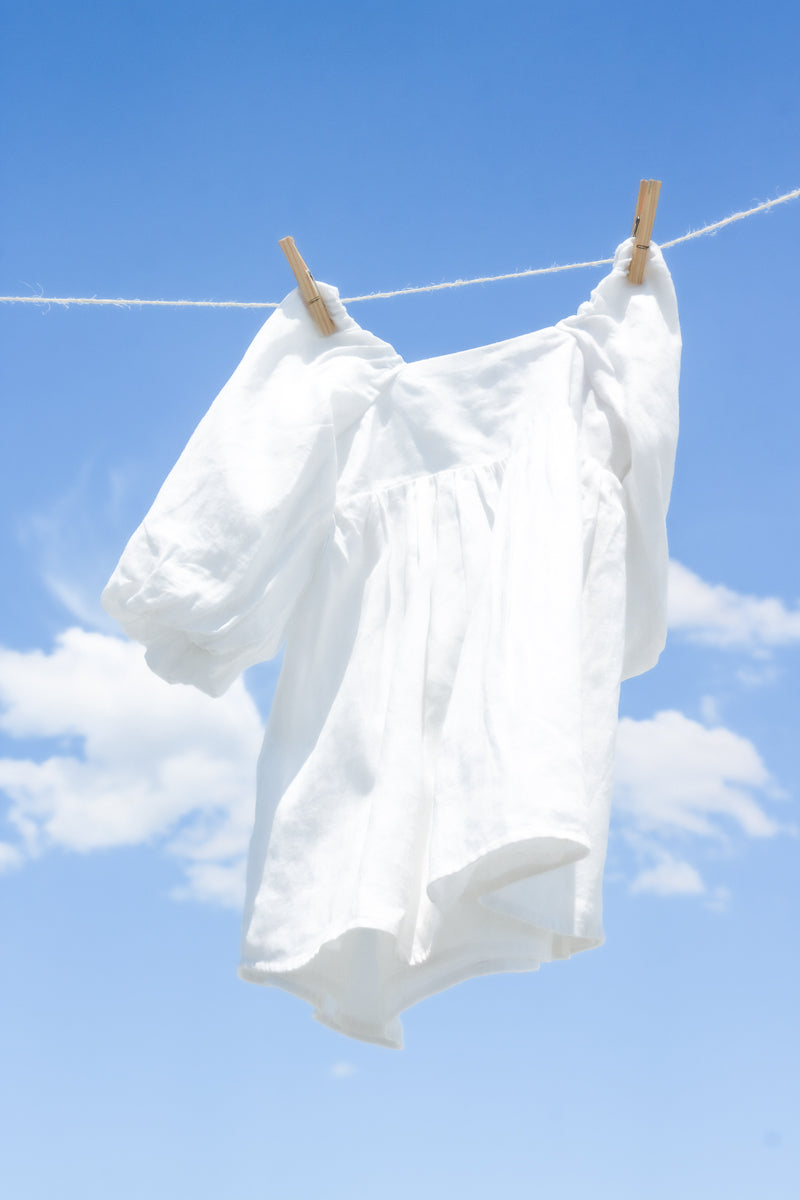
column 209, row 580
column 630, row 344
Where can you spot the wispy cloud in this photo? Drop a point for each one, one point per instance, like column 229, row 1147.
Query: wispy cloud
column 10, row 857
column 77, row 538
column 342, row 1070
column 718, row 616
column 127, row 759
column 670, row 877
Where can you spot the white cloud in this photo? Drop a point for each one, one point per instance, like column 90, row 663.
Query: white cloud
column 718, row 616
column 670, row 877
column 129, row 759
column 676, row 877
column 675, row 776
column 217, row 883
column 677, row 781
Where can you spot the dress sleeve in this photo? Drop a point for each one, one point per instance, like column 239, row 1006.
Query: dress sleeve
column 630, row 342
column 210, row 578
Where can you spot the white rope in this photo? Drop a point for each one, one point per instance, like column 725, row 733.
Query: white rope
column 431, row 287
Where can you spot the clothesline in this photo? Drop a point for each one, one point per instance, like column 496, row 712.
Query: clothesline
column 407, row 291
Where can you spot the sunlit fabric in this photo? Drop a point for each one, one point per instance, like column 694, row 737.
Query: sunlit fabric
column 464, row 557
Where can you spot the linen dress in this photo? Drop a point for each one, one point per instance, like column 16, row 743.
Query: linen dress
column 463, row 557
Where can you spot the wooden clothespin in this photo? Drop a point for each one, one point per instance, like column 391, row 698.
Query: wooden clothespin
column 308, row 288
column 644, row 217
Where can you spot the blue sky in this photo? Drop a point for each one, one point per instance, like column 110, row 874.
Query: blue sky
column 160, row 150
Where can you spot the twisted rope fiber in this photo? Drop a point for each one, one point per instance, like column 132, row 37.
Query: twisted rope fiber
column 408, row 291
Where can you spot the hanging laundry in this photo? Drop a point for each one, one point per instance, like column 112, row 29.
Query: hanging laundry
column 463, row 558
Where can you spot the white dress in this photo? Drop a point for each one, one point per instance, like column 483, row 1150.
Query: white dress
column 463, row 557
